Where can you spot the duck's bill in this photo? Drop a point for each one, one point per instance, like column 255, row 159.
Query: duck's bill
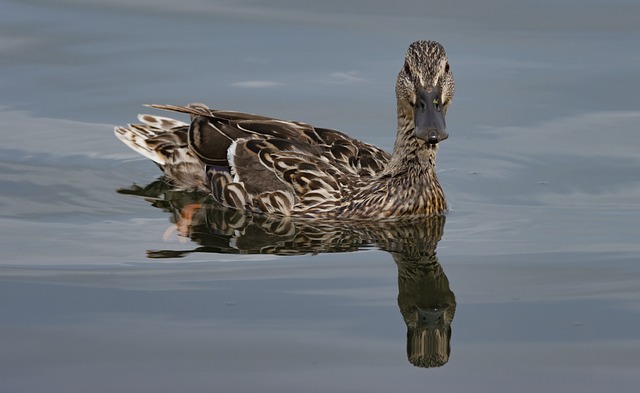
column 430, row 125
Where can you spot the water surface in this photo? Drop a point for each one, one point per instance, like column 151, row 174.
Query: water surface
column 531, row 284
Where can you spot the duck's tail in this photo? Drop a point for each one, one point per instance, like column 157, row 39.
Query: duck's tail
column 164, row 141
column 156, row 137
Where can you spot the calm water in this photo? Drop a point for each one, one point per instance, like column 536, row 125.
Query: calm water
column 535, row 282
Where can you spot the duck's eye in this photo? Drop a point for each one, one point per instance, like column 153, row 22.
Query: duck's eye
column 446, row 68
column 407, row 70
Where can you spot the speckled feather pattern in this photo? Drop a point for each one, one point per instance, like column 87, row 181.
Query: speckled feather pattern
column 289, row 168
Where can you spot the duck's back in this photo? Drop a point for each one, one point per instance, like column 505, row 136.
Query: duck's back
column 254, row 162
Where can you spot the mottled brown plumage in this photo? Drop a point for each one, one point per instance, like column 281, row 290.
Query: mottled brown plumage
column 290, row 168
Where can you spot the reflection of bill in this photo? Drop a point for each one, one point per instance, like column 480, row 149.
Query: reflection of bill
column 424, row 298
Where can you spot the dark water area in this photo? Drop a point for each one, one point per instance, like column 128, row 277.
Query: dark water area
column 530, row 283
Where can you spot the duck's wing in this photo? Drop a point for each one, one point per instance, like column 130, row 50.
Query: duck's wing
column 362, row 158
column 279, row 176
column 213, row 131
column 255, row 162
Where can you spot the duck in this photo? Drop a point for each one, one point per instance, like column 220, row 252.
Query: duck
column 274, row 167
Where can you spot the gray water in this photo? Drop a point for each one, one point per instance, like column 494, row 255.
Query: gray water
column 536, row 271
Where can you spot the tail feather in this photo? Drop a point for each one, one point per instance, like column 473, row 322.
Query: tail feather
column 148, row 138
column 136, row 138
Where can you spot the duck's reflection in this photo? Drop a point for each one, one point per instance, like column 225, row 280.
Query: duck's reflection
column 425, row 300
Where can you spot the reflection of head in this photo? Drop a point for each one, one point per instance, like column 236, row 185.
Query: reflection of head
column 425, row 300
column 428, row 346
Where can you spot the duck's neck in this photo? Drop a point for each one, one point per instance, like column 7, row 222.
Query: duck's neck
column 411, row 155
column 411, row 171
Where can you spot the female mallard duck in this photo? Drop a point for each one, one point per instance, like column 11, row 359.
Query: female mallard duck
column 290, row 168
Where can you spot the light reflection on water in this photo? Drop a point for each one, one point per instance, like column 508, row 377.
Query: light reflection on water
column 541, row 171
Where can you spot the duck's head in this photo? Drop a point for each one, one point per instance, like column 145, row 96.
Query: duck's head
column 425, row 89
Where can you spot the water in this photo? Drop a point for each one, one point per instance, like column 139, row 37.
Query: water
column 534, row 285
